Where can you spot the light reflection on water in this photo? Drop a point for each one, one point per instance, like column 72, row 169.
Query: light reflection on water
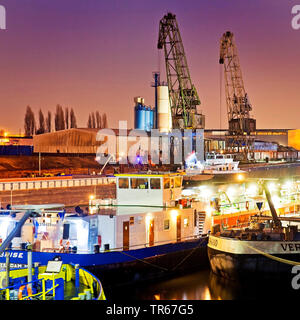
column 204, row 285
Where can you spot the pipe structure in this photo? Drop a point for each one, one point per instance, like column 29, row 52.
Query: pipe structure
column 15, row 231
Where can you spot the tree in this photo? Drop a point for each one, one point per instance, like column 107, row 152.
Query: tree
column 29, row 122
column 41, row 128
column 104, row 121
column 98, row 120
column 93, row 120
column 73, row 123
column 59, row 118
column 89, row 123
column 48, row 122
column 67, row 117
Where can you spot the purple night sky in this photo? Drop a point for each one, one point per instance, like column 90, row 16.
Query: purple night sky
column 99, row 54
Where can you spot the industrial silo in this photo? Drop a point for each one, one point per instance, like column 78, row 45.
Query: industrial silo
column 163, row 109
column 147, row 118
column 139, row 114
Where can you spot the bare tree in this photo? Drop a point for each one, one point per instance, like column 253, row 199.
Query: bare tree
column 104, row 121
column 29, row 122
column 41, row 128
column 67, row 117
column 93, row 120
column 73, row 123
column 59, row 118
column 48, row 122
column 89, row 123
column 98, row 120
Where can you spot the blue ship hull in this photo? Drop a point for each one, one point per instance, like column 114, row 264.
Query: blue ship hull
column 120, row 267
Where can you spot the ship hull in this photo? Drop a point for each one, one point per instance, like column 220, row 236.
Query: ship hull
column 230, row 259
column 123, row 267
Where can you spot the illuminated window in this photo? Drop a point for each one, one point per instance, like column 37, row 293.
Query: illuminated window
column 186, row 222
column 123, row 183
column 167, row 224
column 155, row 183
column 166, row 183
column 178, row 182
column 139, row 183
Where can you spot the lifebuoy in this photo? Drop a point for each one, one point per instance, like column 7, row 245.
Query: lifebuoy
column 20, row 293
column 99, row 240
column 247, row 205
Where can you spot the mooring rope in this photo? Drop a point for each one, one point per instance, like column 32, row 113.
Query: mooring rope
column 162, row 268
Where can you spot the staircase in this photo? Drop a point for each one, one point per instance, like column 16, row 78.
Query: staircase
column 201, row 221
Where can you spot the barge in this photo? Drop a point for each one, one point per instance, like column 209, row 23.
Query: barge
column 148, row 231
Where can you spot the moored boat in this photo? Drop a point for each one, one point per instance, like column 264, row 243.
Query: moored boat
column 147, row 232
column 263, row 249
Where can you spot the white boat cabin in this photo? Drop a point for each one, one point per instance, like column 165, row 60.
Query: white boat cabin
column 148, row 189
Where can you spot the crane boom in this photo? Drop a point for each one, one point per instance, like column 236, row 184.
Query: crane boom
column 240, row 122
column 182, row 93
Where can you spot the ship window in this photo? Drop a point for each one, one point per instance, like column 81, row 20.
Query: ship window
column 155, row 183
column 186, row 222
column 177, row 182
column 123, row 183
column 139, row 183
column 166, row 224
column 166, row 183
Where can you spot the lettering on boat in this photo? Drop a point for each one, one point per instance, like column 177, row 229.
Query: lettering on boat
column 290, row 246
column 213, row 242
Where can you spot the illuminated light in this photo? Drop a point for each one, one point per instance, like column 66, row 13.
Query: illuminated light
column 174, row 214
column 276, row 201
column 209, row 211
column 252, row 190
column 187, row 192
column 288, row 185
column 5, row 134
column 92, row 197
column 231, row 191
column 148, row 220
column 206, row 193
column 272, row 187
column 240, row 177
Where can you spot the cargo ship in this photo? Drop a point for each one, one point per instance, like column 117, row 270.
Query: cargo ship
column 148, row 231
column 267, row 247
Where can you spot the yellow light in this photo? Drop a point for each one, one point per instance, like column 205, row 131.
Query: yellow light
column 272, row 186
column 5, row 134
column 231, row 191
column 148, row 220
column 240, row 177
column 92, row 197
column 174, row 214
column 208, row 211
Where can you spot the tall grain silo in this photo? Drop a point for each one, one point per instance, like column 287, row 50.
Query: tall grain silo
column 163, row 109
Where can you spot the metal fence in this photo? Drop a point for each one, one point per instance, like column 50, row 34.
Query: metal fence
column 59, row 183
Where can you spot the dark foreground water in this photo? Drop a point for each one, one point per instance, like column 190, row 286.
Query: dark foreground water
column 204, row 285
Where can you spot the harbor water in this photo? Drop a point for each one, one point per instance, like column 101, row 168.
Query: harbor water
column 204, row 285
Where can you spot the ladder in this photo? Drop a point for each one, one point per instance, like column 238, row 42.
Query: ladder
column 200, row 221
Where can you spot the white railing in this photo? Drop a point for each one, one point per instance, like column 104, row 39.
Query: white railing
column 59, row 183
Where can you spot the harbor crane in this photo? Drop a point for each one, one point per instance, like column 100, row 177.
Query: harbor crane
column 240, row 122
column 183, row 95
